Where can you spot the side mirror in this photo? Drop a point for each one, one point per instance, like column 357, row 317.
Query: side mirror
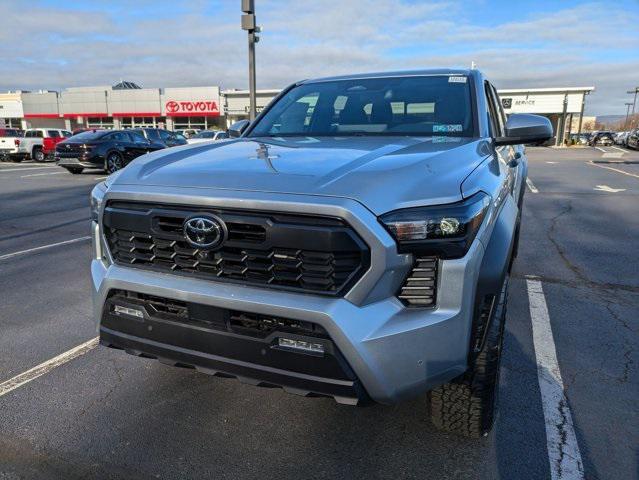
column 525, row 128
column 237, row 129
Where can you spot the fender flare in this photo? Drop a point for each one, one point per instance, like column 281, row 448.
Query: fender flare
column 495, row 266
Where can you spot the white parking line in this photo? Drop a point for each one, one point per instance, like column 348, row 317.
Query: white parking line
column 532, row 187
column 24, row 165
column 43, row 247
column 563, row 449
column 5, row 170
column 614, row 169
column 41, row 174
column 620, row 149
column 606, row 188
column 601, row 149
column 45, row 367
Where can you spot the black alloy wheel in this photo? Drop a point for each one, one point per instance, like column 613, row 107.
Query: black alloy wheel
column 114, row 162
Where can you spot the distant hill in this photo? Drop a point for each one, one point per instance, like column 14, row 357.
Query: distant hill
column 609, row 119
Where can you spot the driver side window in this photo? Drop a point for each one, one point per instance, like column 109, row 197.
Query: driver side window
column 120, row 137
column 137, row 138
column 165, row 135
column 491, row 110
column 499, row 109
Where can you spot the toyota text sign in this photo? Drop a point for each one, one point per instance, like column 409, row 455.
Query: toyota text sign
column 176, row 108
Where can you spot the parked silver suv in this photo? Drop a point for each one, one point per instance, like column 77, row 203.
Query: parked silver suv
column 353, row 242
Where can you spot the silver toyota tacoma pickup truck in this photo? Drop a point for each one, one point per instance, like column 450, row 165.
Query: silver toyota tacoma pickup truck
column 354, row 241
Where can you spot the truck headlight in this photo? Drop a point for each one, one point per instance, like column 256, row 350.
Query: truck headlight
column 97, row 195
column 445, row 231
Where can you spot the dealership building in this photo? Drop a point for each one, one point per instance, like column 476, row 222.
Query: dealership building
column 126, row 105
column 563, row 106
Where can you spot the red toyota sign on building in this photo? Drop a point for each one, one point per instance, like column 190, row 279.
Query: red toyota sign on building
column 188, row 108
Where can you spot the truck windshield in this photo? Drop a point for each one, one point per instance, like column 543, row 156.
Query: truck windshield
column 412, row 105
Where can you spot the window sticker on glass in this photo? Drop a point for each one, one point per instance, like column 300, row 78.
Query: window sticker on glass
column 446, row 139
column 447, row 128
column 456, row 79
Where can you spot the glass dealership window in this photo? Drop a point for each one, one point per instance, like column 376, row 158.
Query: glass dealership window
column 201, row 123
column 100, row 122
column 138, row 122
column 126, row 122
column 145, row 122
column 12, row 123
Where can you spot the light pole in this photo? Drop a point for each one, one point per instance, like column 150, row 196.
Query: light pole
column 628, row 105
column 248, row 24
column 634, row 101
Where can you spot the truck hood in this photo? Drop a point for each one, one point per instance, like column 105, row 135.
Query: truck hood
column 382, row 173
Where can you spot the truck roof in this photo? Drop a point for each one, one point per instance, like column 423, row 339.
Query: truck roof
column 398, row 73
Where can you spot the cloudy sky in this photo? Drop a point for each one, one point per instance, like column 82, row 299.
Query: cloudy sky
column 53, row 44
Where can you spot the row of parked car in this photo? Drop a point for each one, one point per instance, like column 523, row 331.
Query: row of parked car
column 35, row 143
column 628, row 139
column 92, row 148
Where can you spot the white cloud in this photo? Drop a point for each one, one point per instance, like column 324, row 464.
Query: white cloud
column 46, row 47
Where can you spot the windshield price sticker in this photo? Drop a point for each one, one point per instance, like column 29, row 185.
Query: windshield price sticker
column 456, row 79
column 447, row 128
column 446, row 139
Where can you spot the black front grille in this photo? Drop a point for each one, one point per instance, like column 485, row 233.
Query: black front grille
column 298, row 252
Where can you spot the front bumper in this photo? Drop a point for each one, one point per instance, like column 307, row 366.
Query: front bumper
column 394, row 352
column 218, row 341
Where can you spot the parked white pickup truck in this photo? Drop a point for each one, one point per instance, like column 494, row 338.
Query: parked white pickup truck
column 37, row 143
column 9, row 141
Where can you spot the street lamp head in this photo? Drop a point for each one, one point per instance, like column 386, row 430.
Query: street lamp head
column 248, row 22
column 248, row 6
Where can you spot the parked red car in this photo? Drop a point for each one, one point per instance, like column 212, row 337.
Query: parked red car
column 52, row 138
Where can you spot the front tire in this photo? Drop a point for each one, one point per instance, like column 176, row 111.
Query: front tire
column 114, row 162
column 38, row 155
column 468, row 404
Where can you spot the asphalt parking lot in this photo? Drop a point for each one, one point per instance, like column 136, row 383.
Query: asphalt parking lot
column 105, row 414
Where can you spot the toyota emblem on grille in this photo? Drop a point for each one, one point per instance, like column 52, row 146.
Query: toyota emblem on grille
column 204, row 232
